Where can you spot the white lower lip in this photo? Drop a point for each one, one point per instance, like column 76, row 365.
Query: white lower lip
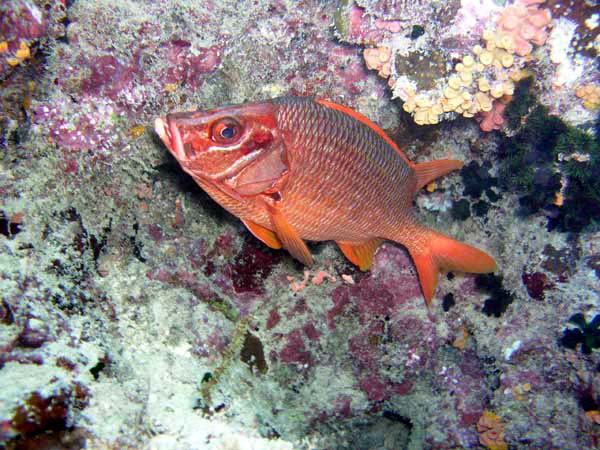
column 161, row 130
column 176, row 140
column 170, row 136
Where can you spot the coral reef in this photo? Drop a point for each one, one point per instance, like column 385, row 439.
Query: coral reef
column 136, row 313
column 485, row 50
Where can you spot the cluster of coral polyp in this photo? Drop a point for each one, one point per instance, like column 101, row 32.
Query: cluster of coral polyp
column 487, row 75
column 482, row 79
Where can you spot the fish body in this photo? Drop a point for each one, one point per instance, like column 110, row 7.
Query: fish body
column 295, row 169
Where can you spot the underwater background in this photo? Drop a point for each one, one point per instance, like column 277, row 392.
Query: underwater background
column 136, row 313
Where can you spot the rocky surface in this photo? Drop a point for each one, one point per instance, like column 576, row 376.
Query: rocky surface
column 136, row 313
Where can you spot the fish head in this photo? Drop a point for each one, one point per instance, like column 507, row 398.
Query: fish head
column 220, row 145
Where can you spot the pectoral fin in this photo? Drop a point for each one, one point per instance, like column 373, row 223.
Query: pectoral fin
column 289, row 237
column 264, row 234
column 360, row 254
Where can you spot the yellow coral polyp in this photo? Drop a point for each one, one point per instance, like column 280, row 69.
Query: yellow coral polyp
column 507, row 43
column 422, row 101
column 3, row 47
column 497, row 90
column 420, row 117
column 486, row 57
column 483, row 101
column 590, row 94
column 454, row 82
column 488, row 34
column 432, row 117
column 466, row 78
column 483, row 84
column 454, row 103
column 409, row 105
column 507, row 60
column 437, row 109
column 450, row 93
column 468, row 61
column 23, row 52
column 508, row 88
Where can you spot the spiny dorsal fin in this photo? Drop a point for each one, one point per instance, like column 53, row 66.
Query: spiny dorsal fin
column 429, row 171
column 360, row 254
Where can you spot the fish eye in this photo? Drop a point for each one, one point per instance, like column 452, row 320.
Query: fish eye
column 226, row 130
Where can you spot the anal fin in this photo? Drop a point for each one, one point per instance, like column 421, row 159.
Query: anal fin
column 360, row 254
column 264, row 234
column 289, row 237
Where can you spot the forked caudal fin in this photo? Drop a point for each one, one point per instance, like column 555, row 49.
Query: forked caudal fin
column 429, row 171
column 433, row 252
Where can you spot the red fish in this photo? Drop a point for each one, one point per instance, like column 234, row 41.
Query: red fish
column 295, row 169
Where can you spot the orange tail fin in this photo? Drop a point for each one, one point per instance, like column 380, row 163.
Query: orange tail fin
column 432, row 252
column 429, row 171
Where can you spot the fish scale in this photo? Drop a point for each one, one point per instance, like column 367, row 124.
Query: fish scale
column 323, row 143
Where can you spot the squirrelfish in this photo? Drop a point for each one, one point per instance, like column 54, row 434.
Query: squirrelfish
column 296, row 169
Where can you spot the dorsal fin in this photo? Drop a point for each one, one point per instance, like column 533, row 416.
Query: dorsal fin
column 358, row 116
column 430, row 170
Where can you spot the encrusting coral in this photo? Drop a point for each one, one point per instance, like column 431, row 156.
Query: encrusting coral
column 491, row 431
column 590, row 94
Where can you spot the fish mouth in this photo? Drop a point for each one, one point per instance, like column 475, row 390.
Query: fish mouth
column 169, row 133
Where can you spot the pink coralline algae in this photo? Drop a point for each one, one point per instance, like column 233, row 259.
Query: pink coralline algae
column 188, row 65
column 108, row 76
column 494, row 119
column 367, row 29
column 525, row 23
